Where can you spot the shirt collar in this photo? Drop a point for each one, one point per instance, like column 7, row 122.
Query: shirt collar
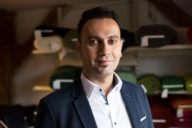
column 89, row 86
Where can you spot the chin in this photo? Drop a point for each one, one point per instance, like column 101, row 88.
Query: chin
column 105, row 72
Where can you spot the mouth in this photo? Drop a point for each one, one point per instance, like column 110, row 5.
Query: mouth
column 104, row 63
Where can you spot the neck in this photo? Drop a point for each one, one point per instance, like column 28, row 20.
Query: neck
column 105, row 82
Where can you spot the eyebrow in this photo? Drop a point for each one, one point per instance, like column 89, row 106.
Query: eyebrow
column 97, row 37
column 114, row 36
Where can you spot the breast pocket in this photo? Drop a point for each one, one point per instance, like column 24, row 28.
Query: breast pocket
column 143, row 120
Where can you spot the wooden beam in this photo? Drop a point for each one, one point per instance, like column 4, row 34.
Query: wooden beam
column 21, row 52
column 173, row 12
column 7, row 31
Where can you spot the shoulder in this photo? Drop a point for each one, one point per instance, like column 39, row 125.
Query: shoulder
column 58, row 96
column 131, row 86
column 136, row 93
column 133, row 90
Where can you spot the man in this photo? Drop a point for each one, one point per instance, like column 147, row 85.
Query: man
column 99, row 99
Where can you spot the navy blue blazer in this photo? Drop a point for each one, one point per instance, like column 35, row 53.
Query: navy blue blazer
column 69, row 108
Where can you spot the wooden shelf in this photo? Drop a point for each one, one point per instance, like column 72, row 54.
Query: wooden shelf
column 181, row 92
column 166, row 47
column 131, row 55
column 178, row 49
column 44, row 88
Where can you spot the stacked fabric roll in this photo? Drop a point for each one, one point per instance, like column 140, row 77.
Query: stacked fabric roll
column 127, row 76
column 188, row 83
column 161, row 112
column 172, row 82
column 151, row 82
column 183, row 108
column 64, row 76
column 155, row 35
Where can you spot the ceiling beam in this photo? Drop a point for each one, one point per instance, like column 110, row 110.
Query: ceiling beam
column 173, row 12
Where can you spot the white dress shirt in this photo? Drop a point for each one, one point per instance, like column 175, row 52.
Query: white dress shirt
column 109, row 111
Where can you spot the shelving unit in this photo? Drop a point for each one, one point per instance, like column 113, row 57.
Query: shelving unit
column 161, row 51
column 165, row 58
column 162, row 48
column 131, row 54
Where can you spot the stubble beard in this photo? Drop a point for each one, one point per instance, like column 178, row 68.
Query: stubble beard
column 105, row 70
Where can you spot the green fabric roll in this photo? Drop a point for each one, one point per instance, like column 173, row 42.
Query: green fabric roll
column 151, row 83
column 127, row 76
column 188, row 83
column 172, row 83
column 64, row 76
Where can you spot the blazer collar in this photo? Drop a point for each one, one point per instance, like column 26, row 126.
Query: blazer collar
column 130, row 103
column 82, row 106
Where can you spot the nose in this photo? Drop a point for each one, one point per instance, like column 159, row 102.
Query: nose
column 104, row 49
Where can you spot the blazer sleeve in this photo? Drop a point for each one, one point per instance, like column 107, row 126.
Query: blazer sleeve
column 45, row 116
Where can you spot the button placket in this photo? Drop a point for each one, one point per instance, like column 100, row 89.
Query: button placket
column 112, row 105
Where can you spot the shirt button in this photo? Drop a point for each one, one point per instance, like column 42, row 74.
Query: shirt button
column 115, row 123
column 100, row 90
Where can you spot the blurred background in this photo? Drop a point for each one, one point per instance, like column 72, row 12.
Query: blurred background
column 38, row 36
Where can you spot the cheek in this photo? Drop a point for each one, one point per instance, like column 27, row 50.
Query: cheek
column 117, row 53
column 120, row 55
column 89, row 54
column 120, row 50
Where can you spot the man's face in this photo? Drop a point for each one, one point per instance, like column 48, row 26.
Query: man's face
column 100, row 47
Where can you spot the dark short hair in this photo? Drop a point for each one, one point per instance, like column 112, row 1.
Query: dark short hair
column 97, row 12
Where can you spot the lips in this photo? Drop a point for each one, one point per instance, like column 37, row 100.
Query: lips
column 103, row 62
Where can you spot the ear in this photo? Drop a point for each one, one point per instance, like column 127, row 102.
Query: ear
column 121, row 54
column 122, row 41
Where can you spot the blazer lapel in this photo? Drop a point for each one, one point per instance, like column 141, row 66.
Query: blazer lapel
column 131, row 106
column 83, row 109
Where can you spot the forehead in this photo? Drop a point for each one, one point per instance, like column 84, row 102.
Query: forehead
column 96, row 26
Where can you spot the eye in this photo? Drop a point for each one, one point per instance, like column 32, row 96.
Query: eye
column 112, row 41
column 93, row 42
